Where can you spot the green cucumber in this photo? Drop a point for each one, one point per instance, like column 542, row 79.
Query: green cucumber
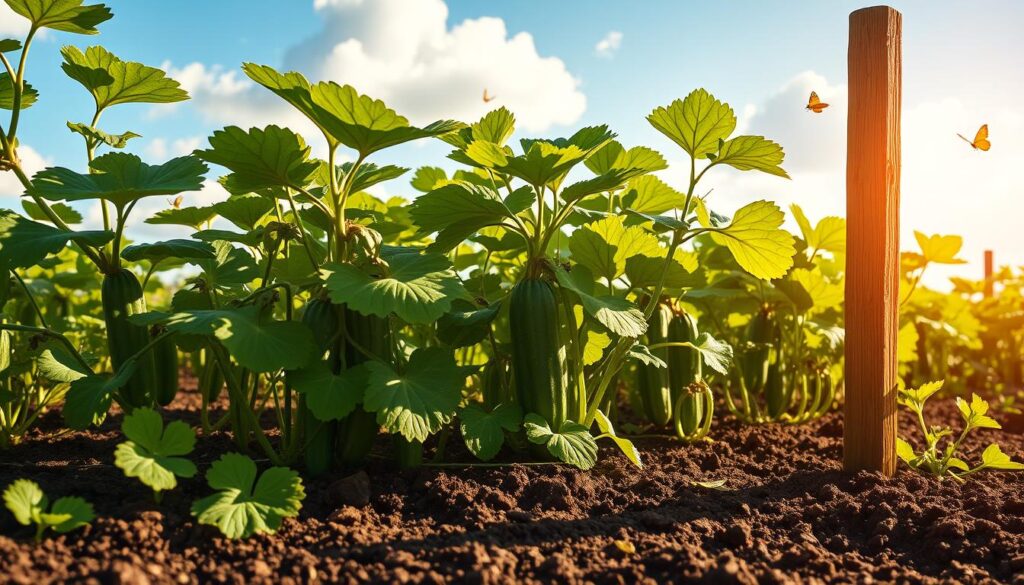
column 318, row 436
column 694, row 411
column 761, row 332
column 653, row 383
column 122, row 297
column 538, row 369
column 165, row 359
column 684, row 363
column 359, row 429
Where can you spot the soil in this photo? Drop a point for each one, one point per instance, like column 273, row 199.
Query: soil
column 787, row 514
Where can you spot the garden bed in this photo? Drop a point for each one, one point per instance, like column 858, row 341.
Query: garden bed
column 787, row 512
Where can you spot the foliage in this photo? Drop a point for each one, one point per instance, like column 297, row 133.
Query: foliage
column 154, row 453
column 29, row 505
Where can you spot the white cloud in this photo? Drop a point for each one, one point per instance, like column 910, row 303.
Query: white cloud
column 609, row 44
column 10, row 187
column 404, row 52
column 12, row 24
column 161, row 149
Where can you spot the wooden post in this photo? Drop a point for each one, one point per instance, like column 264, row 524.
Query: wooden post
column 989, row 284
column 873, row 236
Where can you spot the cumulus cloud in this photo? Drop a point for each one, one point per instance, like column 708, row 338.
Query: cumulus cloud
column 10, row 187
column 161, row 149
column 12, row 24
column 609, row 44
column 405, row 53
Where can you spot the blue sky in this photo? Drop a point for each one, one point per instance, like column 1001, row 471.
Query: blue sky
column 540, row 58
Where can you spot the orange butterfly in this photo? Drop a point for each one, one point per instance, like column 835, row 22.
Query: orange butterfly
column 487, row 96
column 814, row 104
column 176, row 203
column 980, row 139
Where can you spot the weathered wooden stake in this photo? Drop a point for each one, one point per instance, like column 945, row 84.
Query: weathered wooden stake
column 873, row 235
column 989, row 284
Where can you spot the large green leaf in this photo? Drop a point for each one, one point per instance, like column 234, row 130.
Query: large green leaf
column 95, row 137
column 88, row 399
column 193, row 217
column 647, row 271
column 25, row 243
column 346, row 117
column 260, row 344
column 63, row 15
column 466, row 324
column 605, row 245
column 755, row 239
column 484, row 432
column 748, row 153
column 112, row 81
column 121, row 178
column 695, row 123
column 650, row 195
column 829, row 234
column 243, row 506
column 152, row 452
column 617, row 314
column 543, row 161
column 419, row 288
column 420, row 400
column 330, row 396
column 458, row 210
column 609, row 181
column 66, row 213
column 572, row 443
column 28, row 96
column 159, row 251
column 260, row 158
column 245, row 211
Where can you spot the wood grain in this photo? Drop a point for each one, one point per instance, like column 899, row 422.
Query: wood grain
column 989, row 283
column 873, row 235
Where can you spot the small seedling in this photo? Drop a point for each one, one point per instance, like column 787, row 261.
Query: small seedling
column 153, row 453
column 244, row 506
column 26, row 500
column 941, row 461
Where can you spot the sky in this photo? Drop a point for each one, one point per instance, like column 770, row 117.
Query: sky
column 563, row 65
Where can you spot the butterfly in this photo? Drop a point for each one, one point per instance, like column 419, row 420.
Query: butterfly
column 487, row 96
column 814, row 104
column 176, row 202
column 980, row 139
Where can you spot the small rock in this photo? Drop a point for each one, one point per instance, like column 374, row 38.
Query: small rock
column 353, row 490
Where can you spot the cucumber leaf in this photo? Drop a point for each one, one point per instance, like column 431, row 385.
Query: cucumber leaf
column 696, row 123
column 484, row 432
column 66, row 213
column 625, row 445
column 344, row 116
column 159, row 251
column 193, row 217
column 994, row 458
column 755, row 238
column 245, row 211
column 466, row 324
column 748, row 153
column 25, row 243
column 419, row 288
column 88, row 399
column 260, row 158
column 458, row 210
column 572, row 443
column 112, row 81
column 153, row 453
column 95, row 137
column 604, row 246
column 940, row 249
column 243, row 505
column 420, row 400
column 121, row 178
column 617, row 314
column 28, row 96
column 63, row 15
column 330, row 396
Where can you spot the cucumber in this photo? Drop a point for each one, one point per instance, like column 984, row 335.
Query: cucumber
column 760, row 334
column 359, row 429
column 684, row 363
column 318, row 436
column 694, row 411
column 165, row 359
column 494, row 383
column 408, row 454
column 122, row 297
column 777, row 394
column 538, row 370
column 653, row 383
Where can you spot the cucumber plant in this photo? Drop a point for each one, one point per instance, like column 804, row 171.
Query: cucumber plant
column 940, row 456
column 583, row 265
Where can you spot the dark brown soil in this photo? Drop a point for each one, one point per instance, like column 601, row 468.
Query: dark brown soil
column 789, row 515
